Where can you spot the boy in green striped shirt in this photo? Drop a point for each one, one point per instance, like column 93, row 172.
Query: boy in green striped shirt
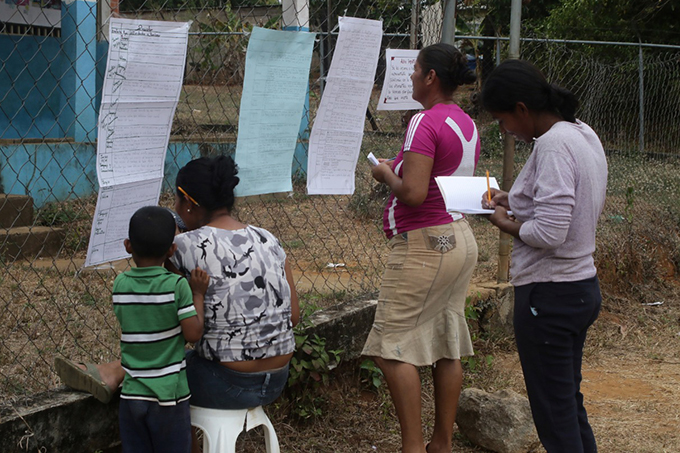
column 158, row 312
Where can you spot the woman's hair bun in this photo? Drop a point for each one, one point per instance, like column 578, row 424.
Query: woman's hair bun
column 449, row 63
column 564, row 101
column 466, row 76
column 223, row 178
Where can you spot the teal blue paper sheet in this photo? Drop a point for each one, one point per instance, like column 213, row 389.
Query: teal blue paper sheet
column 272, row 104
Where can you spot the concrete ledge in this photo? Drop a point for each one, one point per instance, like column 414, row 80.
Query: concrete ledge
column 345, row 326
column 29, row 242
column 15, row 210
column 498, row 310
column 62, row 421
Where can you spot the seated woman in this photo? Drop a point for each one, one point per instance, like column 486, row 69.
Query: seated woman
column 251, row 305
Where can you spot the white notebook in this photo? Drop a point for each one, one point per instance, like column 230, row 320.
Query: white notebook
column 464, row 193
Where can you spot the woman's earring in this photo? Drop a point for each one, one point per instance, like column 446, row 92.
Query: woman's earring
column 188, row 210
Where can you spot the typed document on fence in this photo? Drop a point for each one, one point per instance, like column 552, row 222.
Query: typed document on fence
column 142, row 83
column 338, row 129
column 272, row 104
column 397, row 86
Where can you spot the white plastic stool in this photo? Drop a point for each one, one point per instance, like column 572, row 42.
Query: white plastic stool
column 222, row 427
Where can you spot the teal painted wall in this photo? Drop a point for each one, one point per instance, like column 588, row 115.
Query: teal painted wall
column 66, row 171
column 30, row 98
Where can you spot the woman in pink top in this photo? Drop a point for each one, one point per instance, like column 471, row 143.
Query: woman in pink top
column 420, row 318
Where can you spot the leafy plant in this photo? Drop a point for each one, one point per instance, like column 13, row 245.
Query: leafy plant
column 371, row 374
column 473, row 312
column 310, row 367
column 310, row 371
column 630, row 200
column 474, row 363
column 56, row 214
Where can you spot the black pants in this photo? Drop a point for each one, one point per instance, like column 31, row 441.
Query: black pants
column 551, row 320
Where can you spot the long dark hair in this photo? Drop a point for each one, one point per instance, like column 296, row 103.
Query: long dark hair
column 448, row 63
column 516, row 81
column 210, row 181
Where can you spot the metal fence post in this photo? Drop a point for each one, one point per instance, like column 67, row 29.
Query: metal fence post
column 415, row 12
column 449, row 22
column 642, row 102
column 295, row 17
column 505, row 239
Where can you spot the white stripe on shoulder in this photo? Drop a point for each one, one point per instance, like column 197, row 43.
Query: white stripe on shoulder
column 150, row 337
column 143, row 298
column 412, row 126
column 181, row 311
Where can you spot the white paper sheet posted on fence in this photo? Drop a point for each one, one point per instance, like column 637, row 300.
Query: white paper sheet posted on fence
column 142, row 83
column 272, row 105
column 464, row 193
column 397, row 86
column 144, row 73
column 115, row 206
column 339, row 124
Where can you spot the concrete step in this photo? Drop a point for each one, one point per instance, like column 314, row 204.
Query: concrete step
column 29, row 243
column 15, row 210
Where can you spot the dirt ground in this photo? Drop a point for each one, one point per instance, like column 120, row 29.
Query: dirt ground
column 631, row 383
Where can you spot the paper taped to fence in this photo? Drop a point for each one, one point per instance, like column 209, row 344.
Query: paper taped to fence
column 115, row 206
column 397, row 86
column 141, row 88
column 339, row 124
column 272, row 105
column 142, row 83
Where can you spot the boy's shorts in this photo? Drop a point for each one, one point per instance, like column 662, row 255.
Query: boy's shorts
column 148, row 426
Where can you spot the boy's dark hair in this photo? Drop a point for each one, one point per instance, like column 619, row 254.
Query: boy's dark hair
column 152, row 231
column 516, row 81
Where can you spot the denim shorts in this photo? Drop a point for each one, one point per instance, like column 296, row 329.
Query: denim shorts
column 215, row 386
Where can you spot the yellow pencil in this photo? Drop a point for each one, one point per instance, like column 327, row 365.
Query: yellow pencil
column 488, row 187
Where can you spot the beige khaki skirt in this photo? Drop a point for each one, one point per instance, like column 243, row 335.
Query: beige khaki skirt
column 420, row 316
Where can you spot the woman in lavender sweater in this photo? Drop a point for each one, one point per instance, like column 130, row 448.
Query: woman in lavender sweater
column 556, row 201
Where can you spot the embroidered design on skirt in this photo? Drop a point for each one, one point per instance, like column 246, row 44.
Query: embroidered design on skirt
column 443, row 243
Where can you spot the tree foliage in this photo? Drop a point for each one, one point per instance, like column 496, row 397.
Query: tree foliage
column 651, row 21
column 654, row 21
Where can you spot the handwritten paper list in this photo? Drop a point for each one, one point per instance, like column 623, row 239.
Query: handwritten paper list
column 142, row 83
column 397, row 86
column 338, row 128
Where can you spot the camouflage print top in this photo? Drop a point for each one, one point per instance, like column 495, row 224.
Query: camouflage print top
column 247, row 305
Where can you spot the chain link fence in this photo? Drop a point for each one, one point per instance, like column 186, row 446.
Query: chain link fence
column 630, row 96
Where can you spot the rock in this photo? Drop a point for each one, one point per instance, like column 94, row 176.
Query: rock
column 501, row 323
column 496, row 312
column 499, row 421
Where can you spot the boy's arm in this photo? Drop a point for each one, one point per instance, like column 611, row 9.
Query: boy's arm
column 192, row 328
column 294, row 302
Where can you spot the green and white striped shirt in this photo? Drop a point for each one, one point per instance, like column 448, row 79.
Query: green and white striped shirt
column 149, row 303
